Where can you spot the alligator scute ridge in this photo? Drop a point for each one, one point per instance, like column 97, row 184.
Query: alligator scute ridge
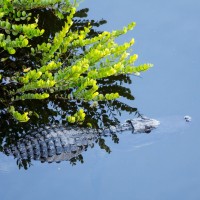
column 59, row 143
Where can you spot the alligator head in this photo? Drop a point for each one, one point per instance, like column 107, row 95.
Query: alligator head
column 143, row 124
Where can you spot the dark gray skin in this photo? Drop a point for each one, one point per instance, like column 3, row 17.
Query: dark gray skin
column 57, row 143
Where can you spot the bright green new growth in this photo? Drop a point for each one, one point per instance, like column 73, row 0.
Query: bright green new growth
column 20, row 117
column 102, row 57
column 78, row 117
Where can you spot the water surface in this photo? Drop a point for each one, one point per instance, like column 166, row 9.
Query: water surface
column 162, row 165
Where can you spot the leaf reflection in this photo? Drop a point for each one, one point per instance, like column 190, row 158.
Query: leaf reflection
column 52, row 111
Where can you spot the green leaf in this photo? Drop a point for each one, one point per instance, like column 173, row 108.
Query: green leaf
column 11, row 51
column 18, row 14
column 14, row 33
column 23, row 13
column 4, row 59
column 25, row 42
column 7, row 31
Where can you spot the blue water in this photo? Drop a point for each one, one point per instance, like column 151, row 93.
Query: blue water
column 163, row 165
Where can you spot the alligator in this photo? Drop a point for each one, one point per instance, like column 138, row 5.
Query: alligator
column 58, row 143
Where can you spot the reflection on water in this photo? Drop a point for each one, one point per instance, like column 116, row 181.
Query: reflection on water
column 58, row 106
column 104, row 114
column 60, row 143
column 167, row 168
column 52, row 111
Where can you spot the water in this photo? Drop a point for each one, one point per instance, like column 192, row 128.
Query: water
column 162, row 165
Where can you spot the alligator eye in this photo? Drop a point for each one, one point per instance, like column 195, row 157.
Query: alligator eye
column 130, row 122
column 147, row 131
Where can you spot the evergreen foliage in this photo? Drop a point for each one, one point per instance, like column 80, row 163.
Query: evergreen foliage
column 68, row 60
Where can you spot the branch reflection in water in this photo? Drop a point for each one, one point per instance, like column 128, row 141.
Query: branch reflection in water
column 52, row 111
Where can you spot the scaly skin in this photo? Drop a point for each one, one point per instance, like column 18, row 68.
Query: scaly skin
column 58, row 143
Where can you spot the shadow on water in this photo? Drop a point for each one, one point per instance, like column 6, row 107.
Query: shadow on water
column 52, row 111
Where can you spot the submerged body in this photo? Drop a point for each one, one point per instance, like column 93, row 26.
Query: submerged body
column 59, row 143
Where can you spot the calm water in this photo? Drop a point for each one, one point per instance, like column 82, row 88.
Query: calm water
column 163, row 165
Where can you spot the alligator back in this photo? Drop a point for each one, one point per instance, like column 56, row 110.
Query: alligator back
column 52, row 144
column 59, row 143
